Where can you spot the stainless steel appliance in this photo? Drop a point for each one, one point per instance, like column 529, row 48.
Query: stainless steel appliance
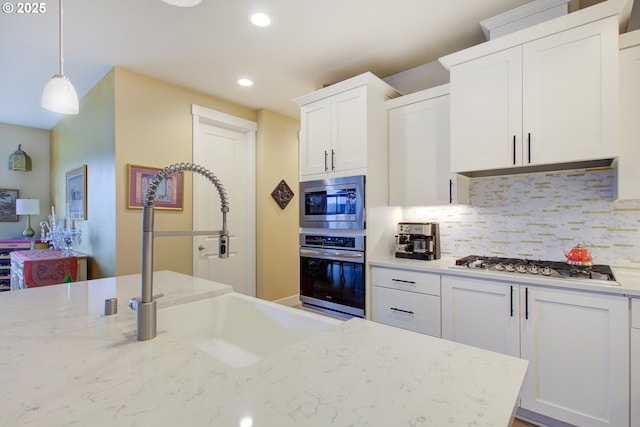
column 418, row 240
column 556, row 269
column 335, row 203
column 332, row 272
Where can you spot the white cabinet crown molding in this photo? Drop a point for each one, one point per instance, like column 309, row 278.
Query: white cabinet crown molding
column 411, row 98
column 618, row 8
column 628, row 40
column 369, row 79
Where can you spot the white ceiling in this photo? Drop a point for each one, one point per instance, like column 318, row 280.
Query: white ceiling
column 208, row 47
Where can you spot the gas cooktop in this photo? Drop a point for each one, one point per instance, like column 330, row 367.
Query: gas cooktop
column 555, row 269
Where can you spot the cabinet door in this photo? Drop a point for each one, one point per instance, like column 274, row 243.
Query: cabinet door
column 315, row 137
column 349, row 130
column 570, row 95
column 481, row 313
column 577, row 345
column 419, row 153
column 486, row 112
column 628, row 170
column 635, row 377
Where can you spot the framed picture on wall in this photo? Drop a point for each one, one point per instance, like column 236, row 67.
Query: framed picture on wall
column 77, row 193
column 8, row 205
column 168, row 195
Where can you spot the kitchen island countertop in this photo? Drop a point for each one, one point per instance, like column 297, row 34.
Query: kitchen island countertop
column 65, row 363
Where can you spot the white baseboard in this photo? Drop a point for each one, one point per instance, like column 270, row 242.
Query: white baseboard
column 292, row 301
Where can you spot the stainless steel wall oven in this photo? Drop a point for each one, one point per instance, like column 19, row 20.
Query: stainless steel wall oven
column 332, row 273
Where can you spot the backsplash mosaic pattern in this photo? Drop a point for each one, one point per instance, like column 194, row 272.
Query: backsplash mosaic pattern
column 538, row 216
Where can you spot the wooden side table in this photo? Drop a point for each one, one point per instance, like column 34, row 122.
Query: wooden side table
column 45, row 267
column 8, row 246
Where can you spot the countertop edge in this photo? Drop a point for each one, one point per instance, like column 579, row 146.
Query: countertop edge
column 629, row 280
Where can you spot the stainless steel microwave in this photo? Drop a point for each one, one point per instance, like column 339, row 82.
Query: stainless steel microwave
column 333, row 203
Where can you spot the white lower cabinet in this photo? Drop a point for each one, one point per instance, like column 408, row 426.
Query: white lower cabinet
column 406, row 299
column 635, row 362
column 576, row 343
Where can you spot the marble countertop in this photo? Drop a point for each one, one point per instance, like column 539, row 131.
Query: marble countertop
column 65, row 363
column 628, row 280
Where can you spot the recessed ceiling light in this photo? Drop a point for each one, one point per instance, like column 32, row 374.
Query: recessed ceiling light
column 183, row 3
column 259, row 19
column 245, row 82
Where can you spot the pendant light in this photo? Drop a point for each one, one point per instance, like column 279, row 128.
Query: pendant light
column 183, row 3
column 59, row 95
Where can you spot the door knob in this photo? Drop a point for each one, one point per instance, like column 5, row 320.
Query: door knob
column 202, row 247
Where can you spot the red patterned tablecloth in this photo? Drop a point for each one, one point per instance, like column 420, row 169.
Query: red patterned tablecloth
column 46, row 267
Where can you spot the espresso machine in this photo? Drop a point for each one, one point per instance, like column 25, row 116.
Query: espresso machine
column 418, row 240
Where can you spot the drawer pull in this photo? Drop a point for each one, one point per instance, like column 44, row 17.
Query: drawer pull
column 410, row 282
column 401, row 310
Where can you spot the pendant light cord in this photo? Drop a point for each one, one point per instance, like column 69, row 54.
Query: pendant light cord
column 60, row 38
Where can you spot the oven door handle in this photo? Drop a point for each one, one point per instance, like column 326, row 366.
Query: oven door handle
column 319, row 253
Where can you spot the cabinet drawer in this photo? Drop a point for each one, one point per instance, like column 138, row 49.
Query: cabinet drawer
column 635, row 312
column 424, row 283
column 407, row 310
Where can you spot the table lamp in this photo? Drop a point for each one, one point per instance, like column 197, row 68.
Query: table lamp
column 28, row 207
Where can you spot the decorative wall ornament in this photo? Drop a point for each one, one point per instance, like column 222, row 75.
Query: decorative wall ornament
column 282, row 194
column 19, row 160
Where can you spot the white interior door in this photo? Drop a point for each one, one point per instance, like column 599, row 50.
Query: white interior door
column 227, row 150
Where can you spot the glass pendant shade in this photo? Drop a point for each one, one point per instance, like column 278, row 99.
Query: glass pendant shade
column 19, row 160
column 60, row 96
column 183, row 3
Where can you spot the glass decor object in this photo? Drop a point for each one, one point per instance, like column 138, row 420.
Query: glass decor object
column 60, row 235
column 19, row 160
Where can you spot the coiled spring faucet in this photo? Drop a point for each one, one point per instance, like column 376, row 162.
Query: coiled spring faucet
column 145, row 305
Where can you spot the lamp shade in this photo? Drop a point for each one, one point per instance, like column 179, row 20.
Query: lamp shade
column 60, row 96
column 27, row 207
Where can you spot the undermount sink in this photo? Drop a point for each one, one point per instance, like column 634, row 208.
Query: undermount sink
column 240, row 330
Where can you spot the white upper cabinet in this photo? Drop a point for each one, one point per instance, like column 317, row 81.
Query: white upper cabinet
column 419, row 151
column 552, row 100
column 628, row 170
column 486, row 112
column 343, row 127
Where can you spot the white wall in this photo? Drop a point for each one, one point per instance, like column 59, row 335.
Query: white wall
column 30, row 185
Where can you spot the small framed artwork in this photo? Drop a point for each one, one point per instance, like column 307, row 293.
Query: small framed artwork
column 77, row 193
column 168, row 195
column 8, row 205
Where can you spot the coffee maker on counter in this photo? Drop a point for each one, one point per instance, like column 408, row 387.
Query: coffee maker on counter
column 418, row 240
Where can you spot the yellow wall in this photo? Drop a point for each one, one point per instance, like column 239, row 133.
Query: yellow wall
column 277, row 229
column 88, row 139
column 129, row 118
column 30, row 185
column 154, row 128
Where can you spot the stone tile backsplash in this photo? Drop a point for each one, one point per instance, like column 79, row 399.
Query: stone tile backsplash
column 538, row 215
